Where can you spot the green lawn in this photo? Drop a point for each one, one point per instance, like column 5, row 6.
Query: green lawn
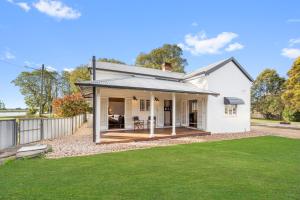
column 255, row 168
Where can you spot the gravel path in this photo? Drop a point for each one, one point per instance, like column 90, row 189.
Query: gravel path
column 283, row 132
column 80, row 144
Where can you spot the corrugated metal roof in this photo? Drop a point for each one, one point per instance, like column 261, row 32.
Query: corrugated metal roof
column 138, row 70
column 166, row 74
column 213, row 67
column 151, row 84
column 202, row 70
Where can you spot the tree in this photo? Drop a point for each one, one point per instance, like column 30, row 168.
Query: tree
column 30, row 87
column 111, row 60
column 65, row 83
column 70, row 105
column 2, row 105
column 265, row 94
column 81, row 73
column 167, row 53
column 291, row 95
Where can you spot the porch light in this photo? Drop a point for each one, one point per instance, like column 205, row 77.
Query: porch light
column 156, row 99
column 134, row 98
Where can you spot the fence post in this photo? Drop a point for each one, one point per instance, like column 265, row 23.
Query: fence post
column 18, row 132
column 15, row 132
column 72, row 125
column 42, row 129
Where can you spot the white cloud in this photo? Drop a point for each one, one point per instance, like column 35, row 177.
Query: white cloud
column 194, row 24
column 291, row 53
column 56, row 9
column 200, row 44
column 69, row 69
column 293, row 21
column 32, row 64
column 234, row 47
column 292, row 42
column 51, row 69
column 7, row 55
column 23, row 5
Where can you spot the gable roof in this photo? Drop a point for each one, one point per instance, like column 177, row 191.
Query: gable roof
column 215, row 66
column 135, row 70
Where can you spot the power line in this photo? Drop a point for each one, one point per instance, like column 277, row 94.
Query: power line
column 17, row 65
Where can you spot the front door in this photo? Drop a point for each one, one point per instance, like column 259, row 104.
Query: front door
column 167, row 112
column 193, row 113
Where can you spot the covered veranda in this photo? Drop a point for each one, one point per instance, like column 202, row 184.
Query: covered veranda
column 132, row 89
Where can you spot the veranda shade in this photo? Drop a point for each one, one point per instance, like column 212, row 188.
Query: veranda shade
column 142, row 83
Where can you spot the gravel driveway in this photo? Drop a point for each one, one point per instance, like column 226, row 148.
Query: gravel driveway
column 80, row 144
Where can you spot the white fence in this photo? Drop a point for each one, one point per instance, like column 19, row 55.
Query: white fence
column 8, row 135
column 33, row 130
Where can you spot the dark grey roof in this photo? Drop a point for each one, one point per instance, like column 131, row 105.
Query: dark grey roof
column 142, row 83
column 213, row 67
column 138, row 70
column 233, row 101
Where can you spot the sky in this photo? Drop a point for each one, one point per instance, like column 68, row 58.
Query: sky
column 63, row 34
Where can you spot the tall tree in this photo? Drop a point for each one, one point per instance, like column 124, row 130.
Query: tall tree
column 291, row 95
column 81, row 73
column 2, row 105
column 167, row 53
column 30, row 87
column 111, row 60
column 266, row 92
column 65, row 83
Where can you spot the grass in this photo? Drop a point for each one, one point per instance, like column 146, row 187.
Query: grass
column 254, row 168
column 270, row 121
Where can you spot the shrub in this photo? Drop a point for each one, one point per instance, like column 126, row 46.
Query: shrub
column 70, row 105
column 290, row 115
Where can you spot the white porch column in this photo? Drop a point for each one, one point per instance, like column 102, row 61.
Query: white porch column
column 151, row 115
column 98, row 111
column 173, row 114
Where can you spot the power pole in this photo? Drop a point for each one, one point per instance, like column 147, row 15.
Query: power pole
column 94, row 100
column 42, row 92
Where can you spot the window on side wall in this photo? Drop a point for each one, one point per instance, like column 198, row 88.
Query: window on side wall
column 230, row 110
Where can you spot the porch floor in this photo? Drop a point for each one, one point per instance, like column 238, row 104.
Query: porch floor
column 122, row 136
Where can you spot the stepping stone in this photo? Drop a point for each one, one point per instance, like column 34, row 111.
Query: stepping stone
column 32, row 151
column 33, row 148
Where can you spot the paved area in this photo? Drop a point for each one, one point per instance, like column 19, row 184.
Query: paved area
column 80, row 144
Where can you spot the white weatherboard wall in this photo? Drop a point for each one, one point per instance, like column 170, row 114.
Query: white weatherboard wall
column 228, row 81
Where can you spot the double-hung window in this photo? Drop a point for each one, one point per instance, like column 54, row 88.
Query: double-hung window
column 144, row 105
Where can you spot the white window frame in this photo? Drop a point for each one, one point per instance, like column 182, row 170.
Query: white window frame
column 144, row 105
column 230, row 110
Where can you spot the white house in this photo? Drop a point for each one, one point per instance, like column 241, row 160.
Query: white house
column 215, row 98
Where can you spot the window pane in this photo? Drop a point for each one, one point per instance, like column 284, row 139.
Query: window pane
column 147, row 105
column 142, row 105
column 230, row 110
column 234, row 109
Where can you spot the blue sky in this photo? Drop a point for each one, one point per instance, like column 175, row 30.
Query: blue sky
column 64, row 34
